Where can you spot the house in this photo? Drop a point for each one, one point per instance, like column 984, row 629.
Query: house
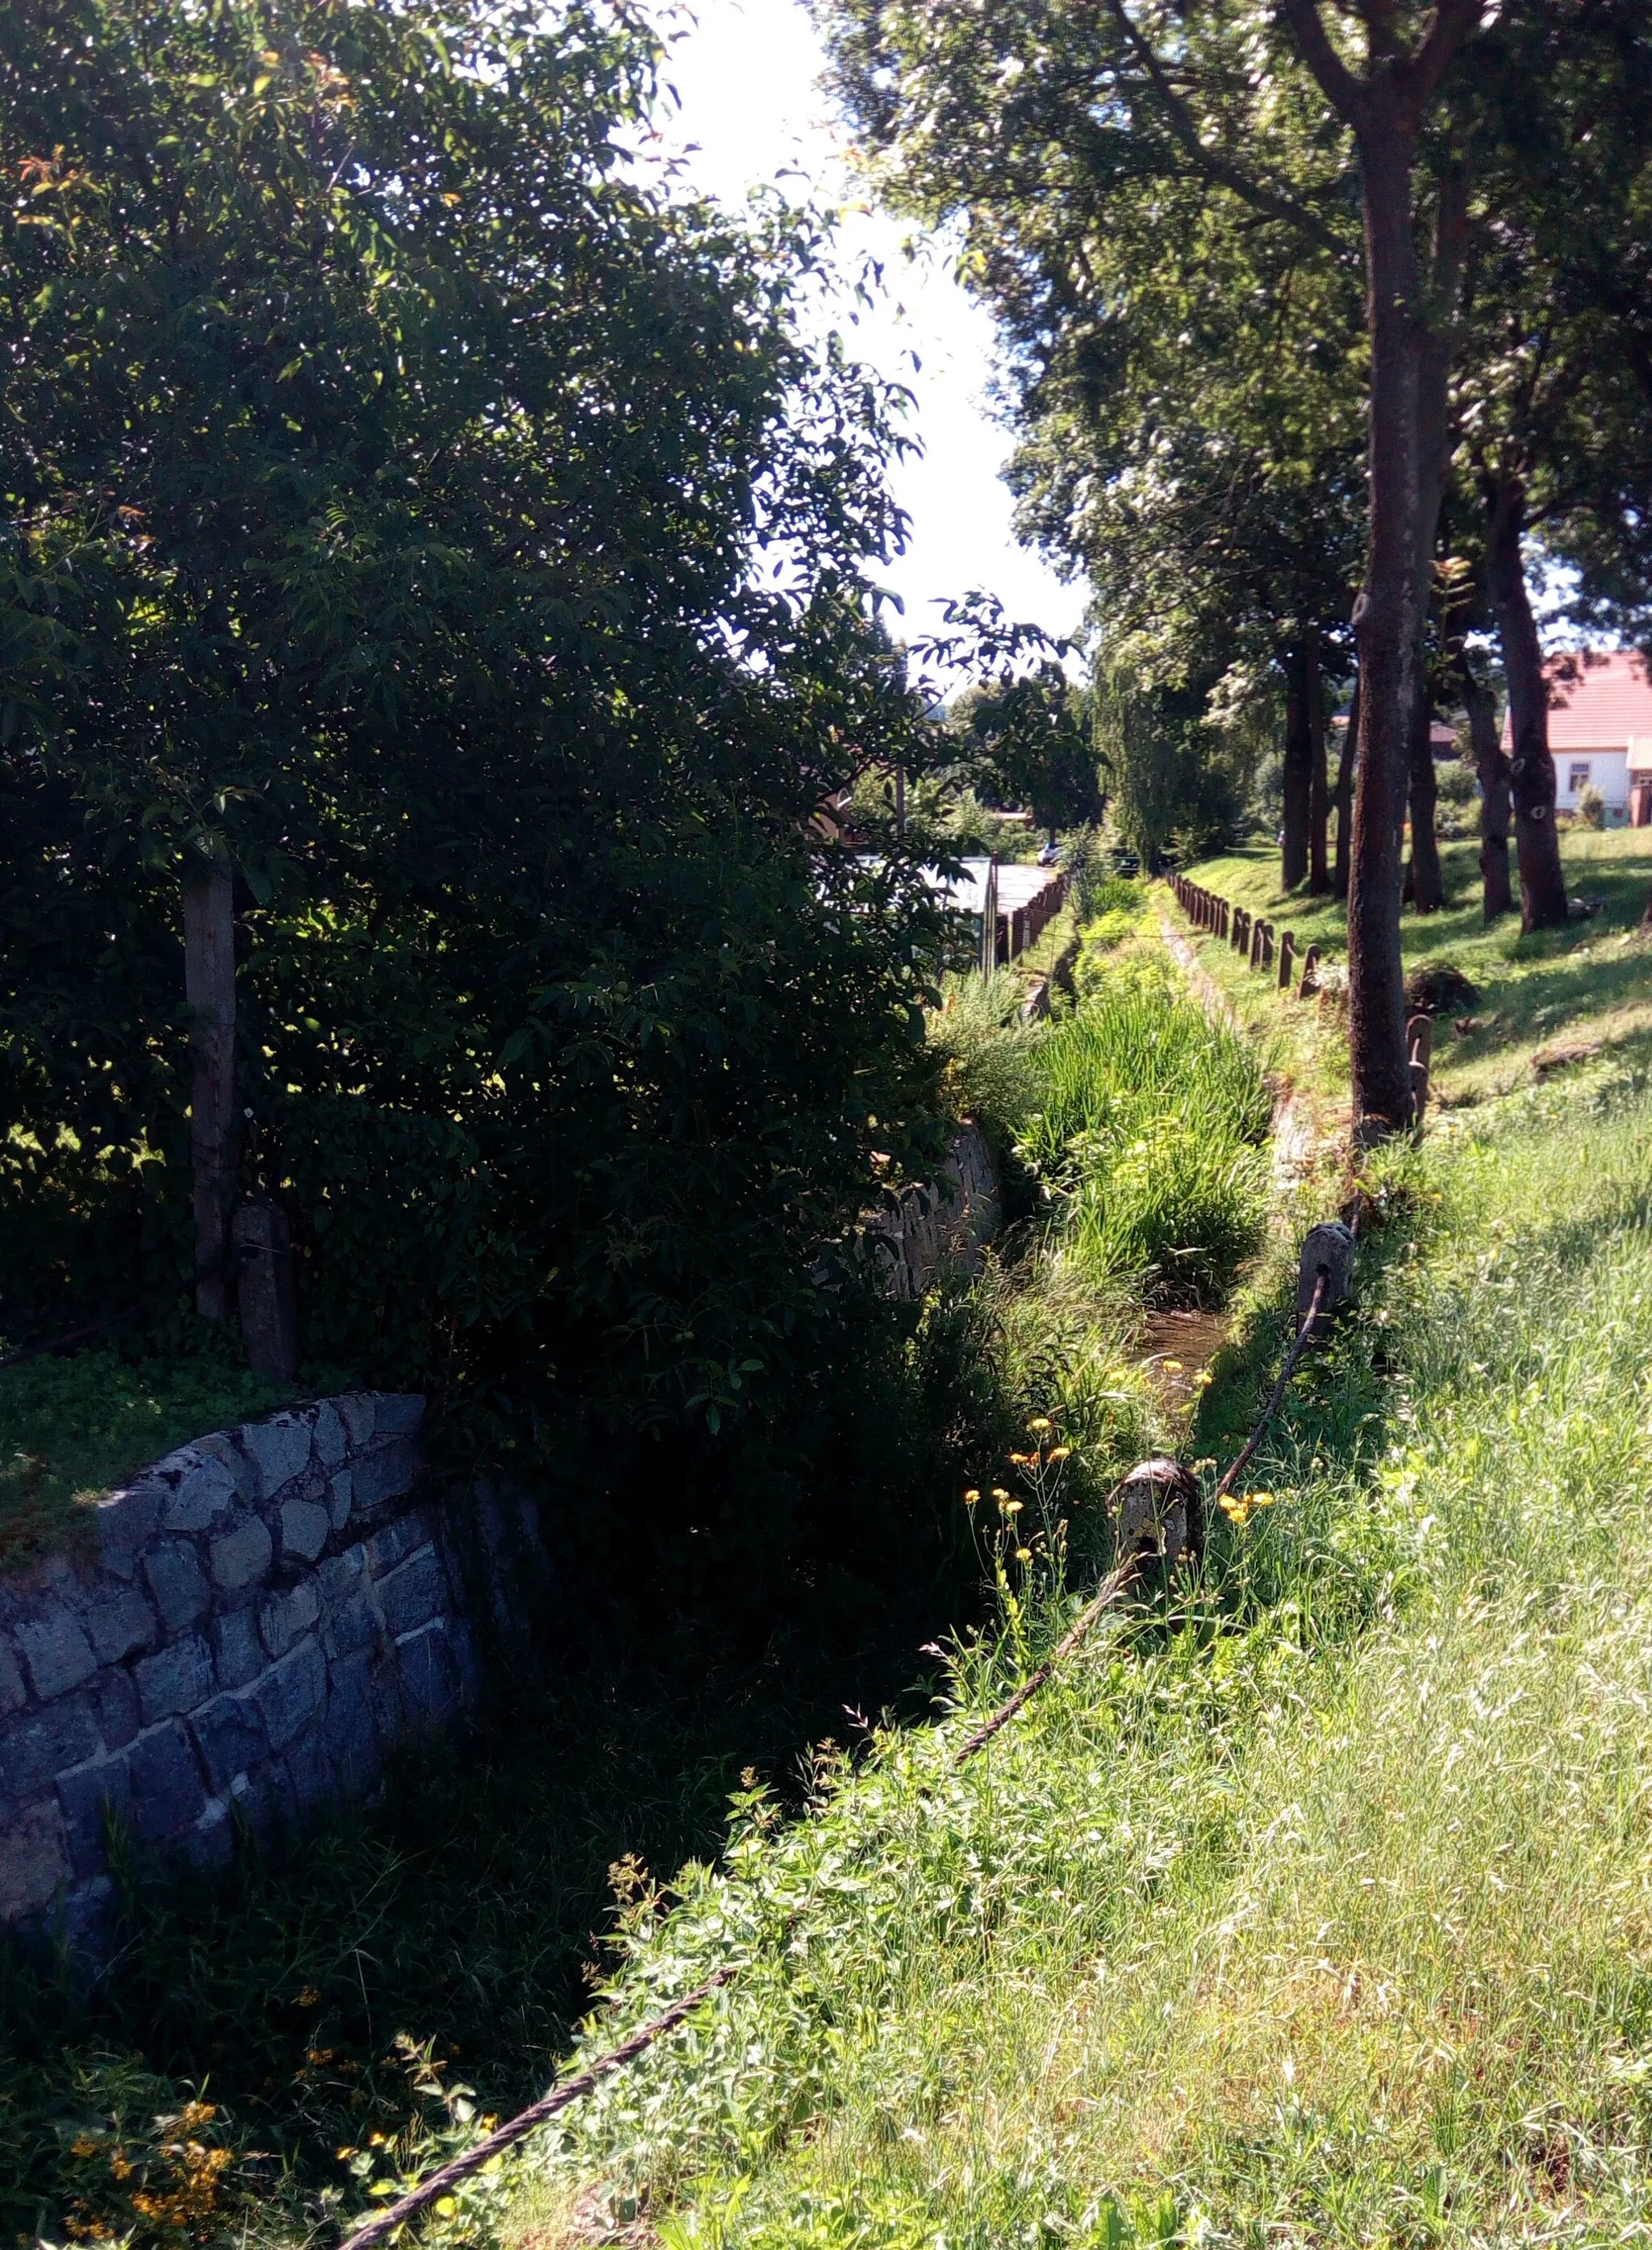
column 1601, row 729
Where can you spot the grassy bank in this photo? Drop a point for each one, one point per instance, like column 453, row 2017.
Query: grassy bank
column 1537, row 997
column 267, row 2047
column 1315, row 1902
column 72, row 1427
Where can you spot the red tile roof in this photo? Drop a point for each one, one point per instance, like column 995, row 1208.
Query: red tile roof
column 1599, row 699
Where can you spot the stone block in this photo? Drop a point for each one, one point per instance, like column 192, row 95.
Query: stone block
column 429, row 1676
column 347, row 1728
column 167, row 1795
column 286, row 1617
column 114, row 1699
column 13, row 1694
column 121, row 1626
column 399, row 1414
column 37, row 1745
column 229, row 1735
column 310, row 1773
column 34, row 1860
column 279, row 1448
column 91, row 1796
column 210, row 1842
column 358, row 1414
column 353, row 1626
column 397, row 1540
column 238, row 1653
column 178, row 1585
column 332, row 1441
column 414, row 1593
column 56, row 1653
column 199, row 1489
column 385, row 1472
column 221, row 1445
column 291, row 1691
column 341, row 1575
column 340, row 1495
column 241, row 1556
column 126, row 1523
column 304, row 1529
column 176, row 1679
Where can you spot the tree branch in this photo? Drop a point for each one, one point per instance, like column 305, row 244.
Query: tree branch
column 1214, row 166
column 1337, row 82
column 1452, row 22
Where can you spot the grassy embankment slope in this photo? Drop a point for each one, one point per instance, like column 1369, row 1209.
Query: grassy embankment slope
column 1317, row 1899
column 1538, row 995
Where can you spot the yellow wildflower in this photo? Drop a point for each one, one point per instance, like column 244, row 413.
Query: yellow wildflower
column 1039, row 1422
column 1023, row 1554
column 1171, row 1366
column 1059, row 1452
column 971, row 1496
column 1203, row 1377
column 1000, row 1492
column 1010, row 1506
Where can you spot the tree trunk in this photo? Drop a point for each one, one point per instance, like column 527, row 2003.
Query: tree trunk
column 1298, row 772
column 1531, row 790
column 1319, row 791
column 209, row 983
column 1344, row 794
column 1491, row 769
column 1388, row 632
column 1426, row 885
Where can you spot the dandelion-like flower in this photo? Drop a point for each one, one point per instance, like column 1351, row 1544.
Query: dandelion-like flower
column 1009, row 1507
column 971, row 1496
column 1059, row 1452
column 1040, row 1422
column 1023, row 1554
column 1001, row 1493
column 1171, row 1366
column 1204, row 1378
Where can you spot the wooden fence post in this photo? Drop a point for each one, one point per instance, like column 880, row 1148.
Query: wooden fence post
column 1419, row 1042
column 1310, row 973
column 1287, row 954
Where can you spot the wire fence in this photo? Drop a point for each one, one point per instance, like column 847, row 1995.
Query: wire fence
column 1147, row 1542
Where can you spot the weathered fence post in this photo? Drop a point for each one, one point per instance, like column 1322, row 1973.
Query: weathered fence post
column 264, row 1293
column 1310, row 983
column 1287, row 954
column 1420, row 1041
column 1328, row 1250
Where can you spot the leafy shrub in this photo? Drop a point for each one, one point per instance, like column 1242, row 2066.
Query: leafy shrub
column 987, row 1050
column 1591, row 807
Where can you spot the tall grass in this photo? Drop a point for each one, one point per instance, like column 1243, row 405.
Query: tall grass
column 1315, row 1903
column 1148, row 1131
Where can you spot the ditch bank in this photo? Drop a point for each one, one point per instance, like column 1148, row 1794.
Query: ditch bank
column 270, row 1611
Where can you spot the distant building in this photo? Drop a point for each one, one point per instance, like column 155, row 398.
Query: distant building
column 1601, row 729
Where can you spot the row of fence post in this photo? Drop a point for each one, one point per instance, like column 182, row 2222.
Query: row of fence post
column 1266, row 948
column 1263, row 947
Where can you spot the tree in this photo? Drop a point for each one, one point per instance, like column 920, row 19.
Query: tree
column 410, row 508
column 1013, row 114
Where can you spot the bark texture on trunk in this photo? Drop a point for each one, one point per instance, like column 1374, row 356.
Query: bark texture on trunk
column 209, row 983
column 1319, row 788
column 1345, row 795
column 1531, row 786
column 1384, row 110
column 1388, row 630
column 1426, row 885
column 1491, row 770
column 1298, row 773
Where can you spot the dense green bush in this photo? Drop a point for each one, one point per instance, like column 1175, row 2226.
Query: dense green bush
column 402, row 496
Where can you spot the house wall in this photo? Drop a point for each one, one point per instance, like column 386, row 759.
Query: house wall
column 270, row 1610
column 1608, row 772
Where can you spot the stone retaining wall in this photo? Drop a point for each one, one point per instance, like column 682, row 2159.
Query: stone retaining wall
column 270, row 1610
column 930, row 1226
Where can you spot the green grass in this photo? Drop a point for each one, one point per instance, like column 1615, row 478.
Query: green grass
column 1148, row 1132
column 1314, row 1902
column 1537, row 994
column 73, row 1426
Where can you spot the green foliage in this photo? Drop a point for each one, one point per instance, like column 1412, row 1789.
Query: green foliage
column 988, row 1050
column 1591, row 807
column 404, row 491
column 1147, row 1968
column 72, row 1428
column 1149, row 1132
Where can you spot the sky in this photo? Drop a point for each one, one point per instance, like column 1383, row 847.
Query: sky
column 751, row 111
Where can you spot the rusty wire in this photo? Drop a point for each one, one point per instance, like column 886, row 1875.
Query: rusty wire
column 1118, row 1581
column 395, row 2214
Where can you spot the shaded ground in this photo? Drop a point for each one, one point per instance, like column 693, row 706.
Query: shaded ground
column 1539, row 997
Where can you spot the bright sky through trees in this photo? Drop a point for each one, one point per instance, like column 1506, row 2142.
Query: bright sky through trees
column 746, row 71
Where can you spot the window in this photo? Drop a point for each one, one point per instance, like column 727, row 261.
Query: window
column 1578, row 778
